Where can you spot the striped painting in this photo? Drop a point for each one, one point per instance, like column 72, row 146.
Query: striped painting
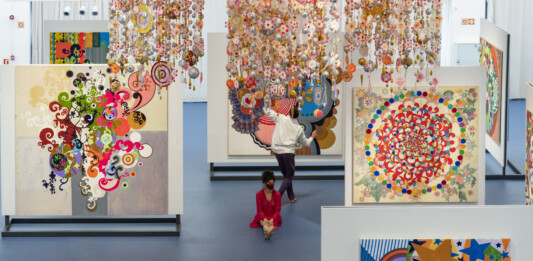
column 436, row 249
column 384, row 249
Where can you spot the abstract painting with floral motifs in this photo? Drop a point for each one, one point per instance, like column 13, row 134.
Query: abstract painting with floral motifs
column 90, row 142
column 492, row 58
column 415, row 146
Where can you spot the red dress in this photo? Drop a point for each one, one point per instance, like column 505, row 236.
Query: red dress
column 268, row 209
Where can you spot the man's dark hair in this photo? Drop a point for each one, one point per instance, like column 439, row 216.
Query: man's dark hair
column 268, row 175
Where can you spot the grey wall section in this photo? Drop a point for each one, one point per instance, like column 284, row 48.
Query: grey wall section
column 147, row 193
column 79, row 202
column 515, row 18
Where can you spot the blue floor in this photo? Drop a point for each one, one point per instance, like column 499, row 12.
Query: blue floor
column 215, row 225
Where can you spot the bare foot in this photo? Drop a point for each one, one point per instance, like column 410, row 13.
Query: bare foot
column 267, row 230
column 272, row 232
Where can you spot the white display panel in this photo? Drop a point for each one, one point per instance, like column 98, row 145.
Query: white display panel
column 8, row 147
column 500, row 40
column 7, row 136
column 342, row 228
column 448, row 76
column 218, row 115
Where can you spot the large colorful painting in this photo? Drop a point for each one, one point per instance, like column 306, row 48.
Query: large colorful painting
column 79, row 48
column 436, row 249
column 492, row 59
column 415, row 146
column 319, row 111
column 529, row 158
column 90, row 141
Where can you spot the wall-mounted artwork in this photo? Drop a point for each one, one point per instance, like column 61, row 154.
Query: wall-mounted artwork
column 436, row 249
column 529, row 144
column 415, row 146
column 79, row 48
column 251, row 131
column 90, row 141
column 529, row 158
column 492, row 59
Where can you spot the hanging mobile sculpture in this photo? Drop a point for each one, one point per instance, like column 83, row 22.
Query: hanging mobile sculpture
column 393, row 35
column 276, row 45
column 163, row 36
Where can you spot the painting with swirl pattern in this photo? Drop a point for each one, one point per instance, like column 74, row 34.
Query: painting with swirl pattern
column 250, row 131
column 90, row 140
column 416, row 145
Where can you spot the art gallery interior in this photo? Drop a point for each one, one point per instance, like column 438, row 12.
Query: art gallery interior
column 140, row 129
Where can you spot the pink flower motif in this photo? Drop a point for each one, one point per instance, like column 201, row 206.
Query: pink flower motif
column 282, row 75
column 400, row 81
column 294, row 68
column 420, row 76
column 319, row 24
column 293, row 24
column 417, row 25
column 267, row 73
column 435, row 82
column 386, row 77
column 283, row 29
column 268, row 25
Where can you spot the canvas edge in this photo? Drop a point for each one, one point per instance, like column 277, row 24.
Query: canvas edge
column 7, row 105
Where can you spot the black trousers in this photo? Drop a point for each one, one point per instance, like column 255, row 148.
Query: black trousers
column 287, row 166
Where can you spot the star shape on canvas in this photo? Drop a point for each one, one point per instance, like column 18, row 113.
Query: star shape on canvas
column 459, row 243
column 437, row 241
column 498, row 245
column 476, row 251
column 442, row 253
column 505, row 254
column 413, row 242
column 461, row 259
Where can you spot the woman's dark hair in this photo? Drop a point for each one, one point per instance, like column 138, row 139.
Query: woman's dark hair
column 294, row 111
column 268, row 175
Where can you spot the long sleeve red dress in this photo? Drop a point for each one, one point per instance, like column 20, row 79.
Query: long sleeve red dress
column 268, row 209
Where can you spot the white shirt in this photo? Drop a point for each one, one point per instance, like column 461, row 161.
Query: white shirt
column 286, row 133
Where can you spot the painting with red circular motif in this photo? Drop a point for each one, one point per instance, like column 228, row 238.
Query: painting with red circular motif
column 416, row 146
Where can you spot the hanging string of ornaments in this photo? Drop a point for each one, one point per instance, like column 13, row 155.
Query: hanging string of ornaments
column 393, row 35
column 163, row 36
column 275, row 46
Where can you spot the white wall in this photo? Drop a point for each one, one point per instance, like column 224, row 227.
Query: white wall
column 454, row 32
column 515, row 18
column 15, row 41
